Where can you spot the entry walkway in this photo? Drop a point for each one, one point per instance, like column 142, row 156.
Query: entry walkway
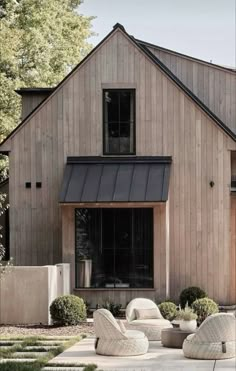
column 158, row 358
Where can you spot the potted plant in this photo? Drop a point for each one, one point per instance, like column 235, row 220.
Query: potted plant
column 187, row 319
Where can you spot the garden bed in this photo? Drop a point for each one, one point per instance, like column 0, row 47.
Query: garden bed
column 37, row 330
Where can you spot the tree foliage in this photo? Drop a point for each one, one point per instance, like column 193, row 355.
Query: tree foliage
column 40, row 42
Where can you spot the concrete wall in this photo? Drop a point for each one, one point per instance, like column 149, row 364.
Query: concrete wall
column 27, row 292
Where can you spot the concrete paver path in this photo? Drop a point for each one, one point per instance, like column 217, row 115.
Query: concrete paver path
column 158, row 358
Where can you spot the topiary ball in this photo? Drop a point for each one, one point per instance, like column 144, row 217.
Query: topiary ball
column 204, row 308
column 190, row 294
column 168, row 310
column 68, row 310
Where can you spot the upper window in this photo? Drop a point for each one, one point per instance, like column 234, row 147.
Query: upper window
column 119, row 124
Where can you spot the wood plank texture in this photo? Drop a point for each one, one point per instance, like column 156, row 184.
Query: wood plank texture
column 168, row 123
column 214, row 86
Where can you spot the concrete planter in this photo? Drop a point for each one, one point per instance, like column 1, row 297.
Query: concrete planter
column 188, row 325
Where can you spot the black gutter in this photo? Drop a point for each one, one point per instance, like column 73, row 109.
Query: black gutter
column 119, row 160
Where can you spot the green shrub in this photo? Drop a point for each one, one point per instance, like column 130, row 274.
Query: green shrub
column 68, row 310
column 190, row 294
column 114, row 308
column 186, row 314
column 204, row 308
column 168, row 310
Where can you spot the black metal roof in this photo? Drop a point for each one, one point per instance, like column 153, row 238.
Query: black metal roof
column 130, row 179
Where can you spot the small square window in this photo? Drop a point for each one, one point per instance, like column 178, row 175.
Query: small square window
column 27, row 184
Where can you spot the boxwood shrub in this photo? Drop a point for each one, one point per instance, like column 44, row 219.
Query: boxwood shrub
column 204, row 308
column 68, row 310
column 190, row 294
column 168, row 310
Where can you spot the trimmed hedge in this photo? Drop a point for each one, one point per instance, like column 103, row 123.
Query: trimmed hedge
column 68, row 310
column 190, row 294
column 204, row 308
column 168, row 310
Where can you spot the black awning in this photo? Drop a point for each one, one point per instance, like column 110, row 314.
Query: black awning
column 100, row 179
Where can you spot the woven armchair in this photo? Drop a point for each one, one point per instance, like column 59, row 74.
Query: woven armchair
column 112, row 341
column 151, row 327
column 215, row 338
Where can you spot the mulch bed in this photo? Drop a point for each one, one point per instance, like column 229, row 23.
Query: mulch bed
column 37, row 330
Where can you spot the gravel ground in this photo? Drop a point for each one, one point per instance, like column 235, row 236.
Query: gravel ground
column 29, row 330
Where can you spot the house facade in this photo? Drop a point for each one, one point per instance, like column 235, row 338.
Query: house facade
column 124, row 171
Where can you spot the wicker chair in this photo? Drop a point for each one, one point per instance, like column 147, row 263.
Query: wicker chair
column 151, row 327
column 215, row 338
column 112, row 341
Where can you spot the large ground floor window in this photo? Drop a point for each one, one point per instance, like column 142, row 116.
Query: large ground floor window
column 114, row 248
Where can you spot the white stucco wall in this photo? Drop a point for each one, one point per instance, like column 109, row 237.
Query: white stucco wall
column 27, row 292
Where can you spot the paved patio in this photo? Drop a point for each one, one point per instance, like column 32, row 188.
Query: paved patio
column 157, row 358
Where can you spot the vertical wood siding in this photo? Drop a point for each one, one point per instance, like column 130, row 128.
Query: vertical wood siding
column 214, row 86
column 167, row 123
column 30, row 101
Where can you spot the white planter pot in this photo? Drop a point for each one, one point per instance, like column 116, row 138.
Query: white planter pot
column 188, row 325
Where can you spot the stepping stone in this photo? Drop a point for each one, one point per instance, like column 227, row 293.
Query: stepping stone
column 13, row 360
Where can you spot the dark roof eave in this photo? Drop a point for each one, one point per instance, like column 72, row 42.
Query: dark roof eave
column 174, row 78
column 24, row 91
column 228, row 69
column 119, row 159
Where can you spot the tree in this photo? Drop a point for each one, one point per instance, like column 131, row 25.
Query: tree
column 40, row 42
column 4, row 266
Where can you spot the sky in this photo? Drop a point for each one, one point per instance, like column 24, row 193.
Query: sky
column 204, row 29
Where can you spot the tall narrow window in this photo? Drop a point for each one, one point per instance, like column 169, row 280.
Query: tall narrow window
column 119, row 123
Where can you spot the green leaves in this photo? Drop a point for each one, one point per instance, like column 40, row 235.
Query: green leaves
column 41, row 41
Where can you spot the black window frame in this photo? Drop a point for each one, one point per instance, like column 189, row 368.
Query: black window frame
column 116, row 287
column 108, row 153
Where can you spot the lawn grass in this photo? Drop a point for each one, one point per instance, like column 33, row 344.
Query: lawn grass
column 41, row 361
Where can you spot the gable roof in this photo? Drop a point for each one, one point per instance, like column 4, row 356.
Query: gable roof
column 149, row 45
column 143, row 48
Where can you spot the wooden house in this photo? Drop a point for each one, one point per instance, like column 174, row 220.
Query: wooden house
column 124, row 171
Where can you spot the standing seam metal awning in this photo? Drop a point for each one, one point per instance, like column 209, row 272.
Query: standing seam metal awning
column 101, row 179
